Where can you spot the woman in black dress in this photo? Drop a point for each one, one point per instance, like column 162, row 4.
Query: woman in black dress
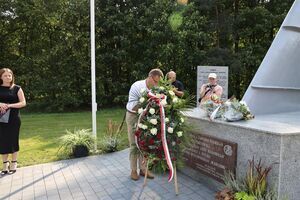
column 11, row 98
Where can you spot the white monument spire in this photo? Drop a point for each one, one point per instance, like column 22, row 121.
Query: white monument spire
column 275, row 87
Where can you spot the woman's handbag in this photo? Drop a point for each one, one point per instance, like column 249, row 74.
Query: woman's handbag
column 4, row 117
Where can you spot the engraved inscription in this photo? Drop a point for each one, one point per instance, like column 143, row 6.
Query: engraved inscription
column 211, row 156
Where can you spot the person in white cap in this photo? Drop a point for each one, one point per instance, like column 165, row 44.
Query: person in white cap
column 210, row 90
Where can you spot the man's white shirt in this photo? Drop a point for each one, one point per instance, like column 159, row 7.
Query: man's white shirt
column 135, row 94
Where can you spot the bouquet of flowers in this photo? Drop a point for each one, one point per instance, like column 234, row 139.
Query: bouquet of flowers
column 161, row 127
column 231, row 110
column 210, row 106
column 237, row 110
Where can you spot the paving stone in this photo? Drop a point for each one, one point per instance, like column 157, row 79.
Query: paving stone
column 115, row 195
column 53, row 197
column 102, row 193
column 73, row 180
column 44, row 197
column 52, row 192
column 92, row 197
column 29, row 197
column 80, row 198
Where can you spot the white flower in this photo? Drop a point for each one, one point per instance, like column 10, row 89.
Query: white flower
column 173, row 143
column 175, row 100
column 143, row 90
column 179, row 133
column 153, row 121
column 170, row 130
column 140, row 110
column 142, row 99
column 164, row 102
column 167, row 120
column 227, row 103
column 144, row 127
column 158, row 96
column 181, row 120
column 140, row 125
column 171, row 93
column 153, row 131
column 161, row 88
column 243, row 103
column 151, row 111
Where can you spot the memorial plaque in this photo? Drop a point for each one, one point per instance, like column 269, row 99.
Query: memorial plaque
column 211, row 156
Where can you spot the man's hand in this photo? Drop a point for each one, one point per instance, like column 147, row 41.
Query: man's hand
column 178, row 93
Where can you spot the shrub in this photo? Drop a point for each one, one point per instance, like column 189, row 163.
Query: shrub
column 77, row 143
column 252, row 187
column 111, row 140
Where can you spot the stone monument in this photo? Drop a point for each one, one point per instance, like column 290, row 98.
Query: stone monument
column 275, row 87
column 274, row 134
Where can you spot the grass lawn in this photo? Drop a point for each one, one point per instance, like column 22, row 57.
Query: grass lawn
column 39, row 135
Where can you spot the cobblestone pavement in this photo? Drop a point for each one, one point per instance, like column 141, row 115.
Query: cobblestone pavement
column 95, row 177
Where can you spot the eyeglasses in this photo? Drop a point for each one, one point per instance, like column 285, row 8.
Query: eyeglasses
column 155, row 81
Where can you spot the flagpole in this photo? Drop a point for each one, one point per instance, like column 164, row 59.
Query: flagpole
column 93, row 66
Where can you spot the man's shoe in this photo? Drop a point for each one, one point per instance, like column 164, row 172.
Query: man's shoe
column 134, row 175
column 149, row 174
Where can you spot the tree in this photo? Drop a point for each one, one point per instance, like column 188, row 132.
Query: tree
column 46, row 43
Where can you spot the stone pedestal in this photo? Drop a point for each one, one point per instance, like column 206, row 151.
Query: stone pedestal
column 273, row 138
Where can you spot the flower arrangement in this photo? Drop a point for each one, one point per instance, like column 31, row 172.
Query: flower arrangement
column 210, row 106
column 161, row 128
column 241, row 107
column 231, row 110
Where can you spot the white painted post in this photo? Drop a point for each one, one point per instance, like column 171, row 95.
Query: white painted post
column 93, row 66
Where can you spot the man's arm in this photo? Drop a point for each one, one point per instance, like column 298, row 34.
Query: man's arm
column 133, row 98
column 178, row 93
column 203, row 90
column 218, row 91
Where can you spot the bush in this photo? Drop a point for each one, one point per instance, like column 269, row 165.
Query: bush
column 77, row 143
column 252, row 187
column 111, row 140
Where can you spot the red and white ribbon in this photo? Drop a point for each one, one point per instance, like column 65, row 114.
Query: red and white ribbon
column 158, row 100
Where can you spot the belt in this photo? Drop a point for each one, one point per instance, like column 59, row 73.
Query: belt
column 131, row 112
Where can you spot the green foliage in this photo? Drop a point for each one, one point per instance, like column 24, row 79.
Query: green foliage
column 243, row 196
column 82, row 137
column 256, row 178
column 232, row 183
column 271, row 195
column 253, row 186
column 46, row 43
column 111, row 141
column 175, row 20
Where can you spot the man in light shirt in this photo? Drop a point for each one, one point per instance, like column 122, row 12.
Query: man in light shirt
column 135, row 93
column 210, row 90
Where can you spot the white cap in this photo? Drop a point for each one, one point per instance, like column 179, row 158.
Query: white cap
column 212, row 75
